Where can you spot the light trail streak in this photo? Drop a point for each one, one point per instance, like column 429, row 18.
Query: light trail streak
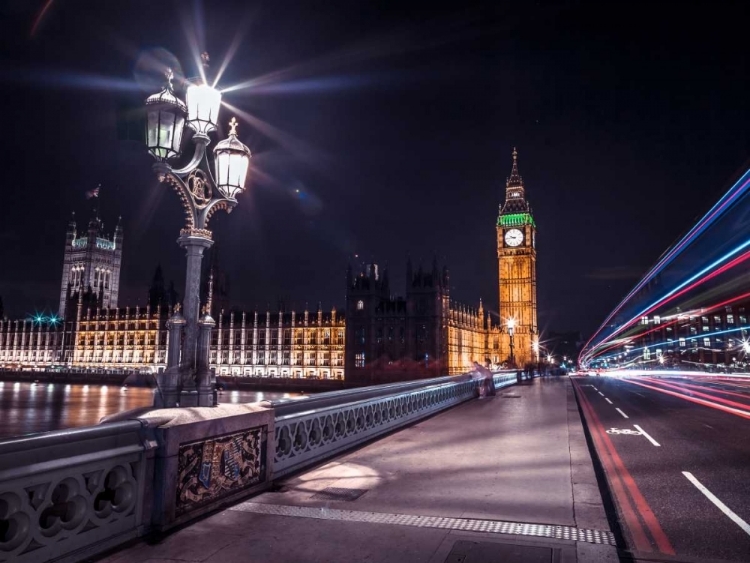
column 40, row 17
column 737, row 412
column 739, row 188
column 683, row 288
column 692, row 337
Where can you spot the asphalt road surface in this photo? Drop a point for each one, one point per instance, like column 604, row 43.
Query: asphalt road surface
column 676, row 454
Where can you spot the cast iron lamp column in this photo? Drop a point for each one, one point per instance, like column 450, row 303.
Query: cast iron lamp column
column 188, row 382
column 511, row 326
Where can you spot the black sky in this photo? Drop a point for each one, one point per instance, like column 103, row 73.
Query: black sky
column 396, row 122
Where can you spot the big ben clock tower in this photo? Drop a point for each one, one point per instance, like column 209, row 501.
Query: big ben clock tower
column 516, row 256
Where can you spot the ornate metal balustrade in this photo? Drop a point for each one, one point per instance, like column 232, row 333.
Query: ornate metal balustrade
column 68, row 494
column 307, row 436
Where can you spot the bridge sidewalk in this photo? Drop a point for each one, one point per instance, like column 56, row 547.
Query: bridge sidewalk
column 433, row 492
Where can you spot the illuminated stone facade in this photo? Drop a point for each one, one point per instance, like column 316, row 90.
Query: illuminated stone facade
column 516, row 256
column 92, row 260
column 424, row 334
column 281, row 344
column 127, row 339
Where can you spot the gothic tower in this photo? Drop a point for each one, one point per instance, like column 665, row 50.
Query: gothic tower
column 516, row 256
column 92, row 260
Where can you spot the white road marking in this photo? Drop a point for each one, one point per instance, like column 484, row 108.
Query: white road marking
column 610, row 402
column 602, row 394
column 622, row 413
column 625, row 431
column 595, row 389
column 708, row 426
column 646, row 434
column 723, row 507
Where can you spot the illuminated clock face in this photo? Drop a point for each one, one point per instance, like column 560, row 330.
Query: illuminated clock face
column 513, row 237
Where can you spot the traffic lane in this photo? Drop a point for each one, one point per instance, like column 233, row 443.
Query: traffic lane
column 734, row 399
column 689, row 435
column 712, row 442
column 688, row 438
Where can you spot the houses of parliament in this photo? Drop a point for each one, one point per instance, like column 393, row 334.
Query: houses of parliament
column 377, row 338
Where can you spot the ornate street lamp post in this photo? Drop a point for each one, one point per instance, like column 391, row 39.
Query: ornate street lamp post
column 187, row 380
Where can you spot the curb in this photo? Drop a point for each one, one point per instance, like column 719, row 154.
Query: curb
column 588, row 504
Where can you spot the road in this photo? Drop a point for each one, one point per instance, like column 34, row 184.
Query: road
column 676, row 454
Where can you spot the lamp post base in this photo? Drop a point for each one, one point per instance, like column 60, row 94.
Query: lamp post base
column 198, row 398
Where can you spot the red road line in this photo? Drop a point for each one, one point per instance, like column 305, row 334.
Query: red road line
column 736, row 412
column 621, row 476
column 704, row 388
column 734, row 404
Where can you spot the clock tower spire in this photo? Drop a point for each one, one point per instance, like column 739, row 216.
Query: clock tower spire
column 516, row 255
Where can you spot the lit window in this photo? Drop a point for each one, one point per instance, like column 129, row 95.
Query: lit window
column 707, row 342
column 657, row 319
column 644, row 320
column 359, row 360
column 682, row 342
column 360, row 305
column 730, row 319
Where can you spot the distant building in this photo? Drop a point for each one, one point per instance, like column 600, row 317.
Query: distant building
column 516, row 255
column 279, row 344
column 424, row 334
column 91, row 260
column 702, row 338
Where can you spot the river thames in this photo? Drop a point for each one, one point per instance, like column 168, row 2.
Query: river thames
column 39, row 407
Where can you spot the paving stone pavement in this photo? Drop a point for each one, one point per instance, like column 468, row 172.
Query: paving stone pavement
column 504, row 479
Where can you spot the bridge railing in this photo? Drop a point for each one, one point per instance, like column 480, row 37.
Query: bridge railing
column 307, row 431
column 71, row 494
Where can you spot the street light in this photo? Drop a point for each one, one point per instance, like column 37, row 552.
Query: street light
column 165, row 122
column 511, row 326
column 187, row 380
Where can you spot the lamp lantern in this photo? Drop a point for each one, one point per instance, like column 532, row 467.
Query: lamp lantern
column 165, row 122
column 232, row 163
column 203, row 103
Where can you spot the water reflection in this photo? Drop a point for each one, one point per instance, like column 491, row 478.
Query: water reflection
column 26, row 410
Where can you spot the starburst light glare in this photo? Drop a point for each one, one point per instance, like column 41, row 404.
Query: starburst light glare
column 203, row 103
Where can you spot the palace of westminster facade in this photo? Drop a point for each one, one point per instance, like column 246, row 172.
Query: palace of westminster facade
column 377, row 338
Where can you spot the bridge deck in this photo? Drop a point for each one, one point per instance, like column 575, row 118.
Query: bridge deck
column 432, row 492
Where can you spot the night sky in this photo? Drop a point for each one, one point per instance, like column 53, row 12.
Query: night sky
column 396, row 122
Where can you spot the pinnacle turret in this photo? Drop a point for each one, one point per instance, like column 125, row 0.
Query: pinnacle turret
column 515, row 180
column 515, row 197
